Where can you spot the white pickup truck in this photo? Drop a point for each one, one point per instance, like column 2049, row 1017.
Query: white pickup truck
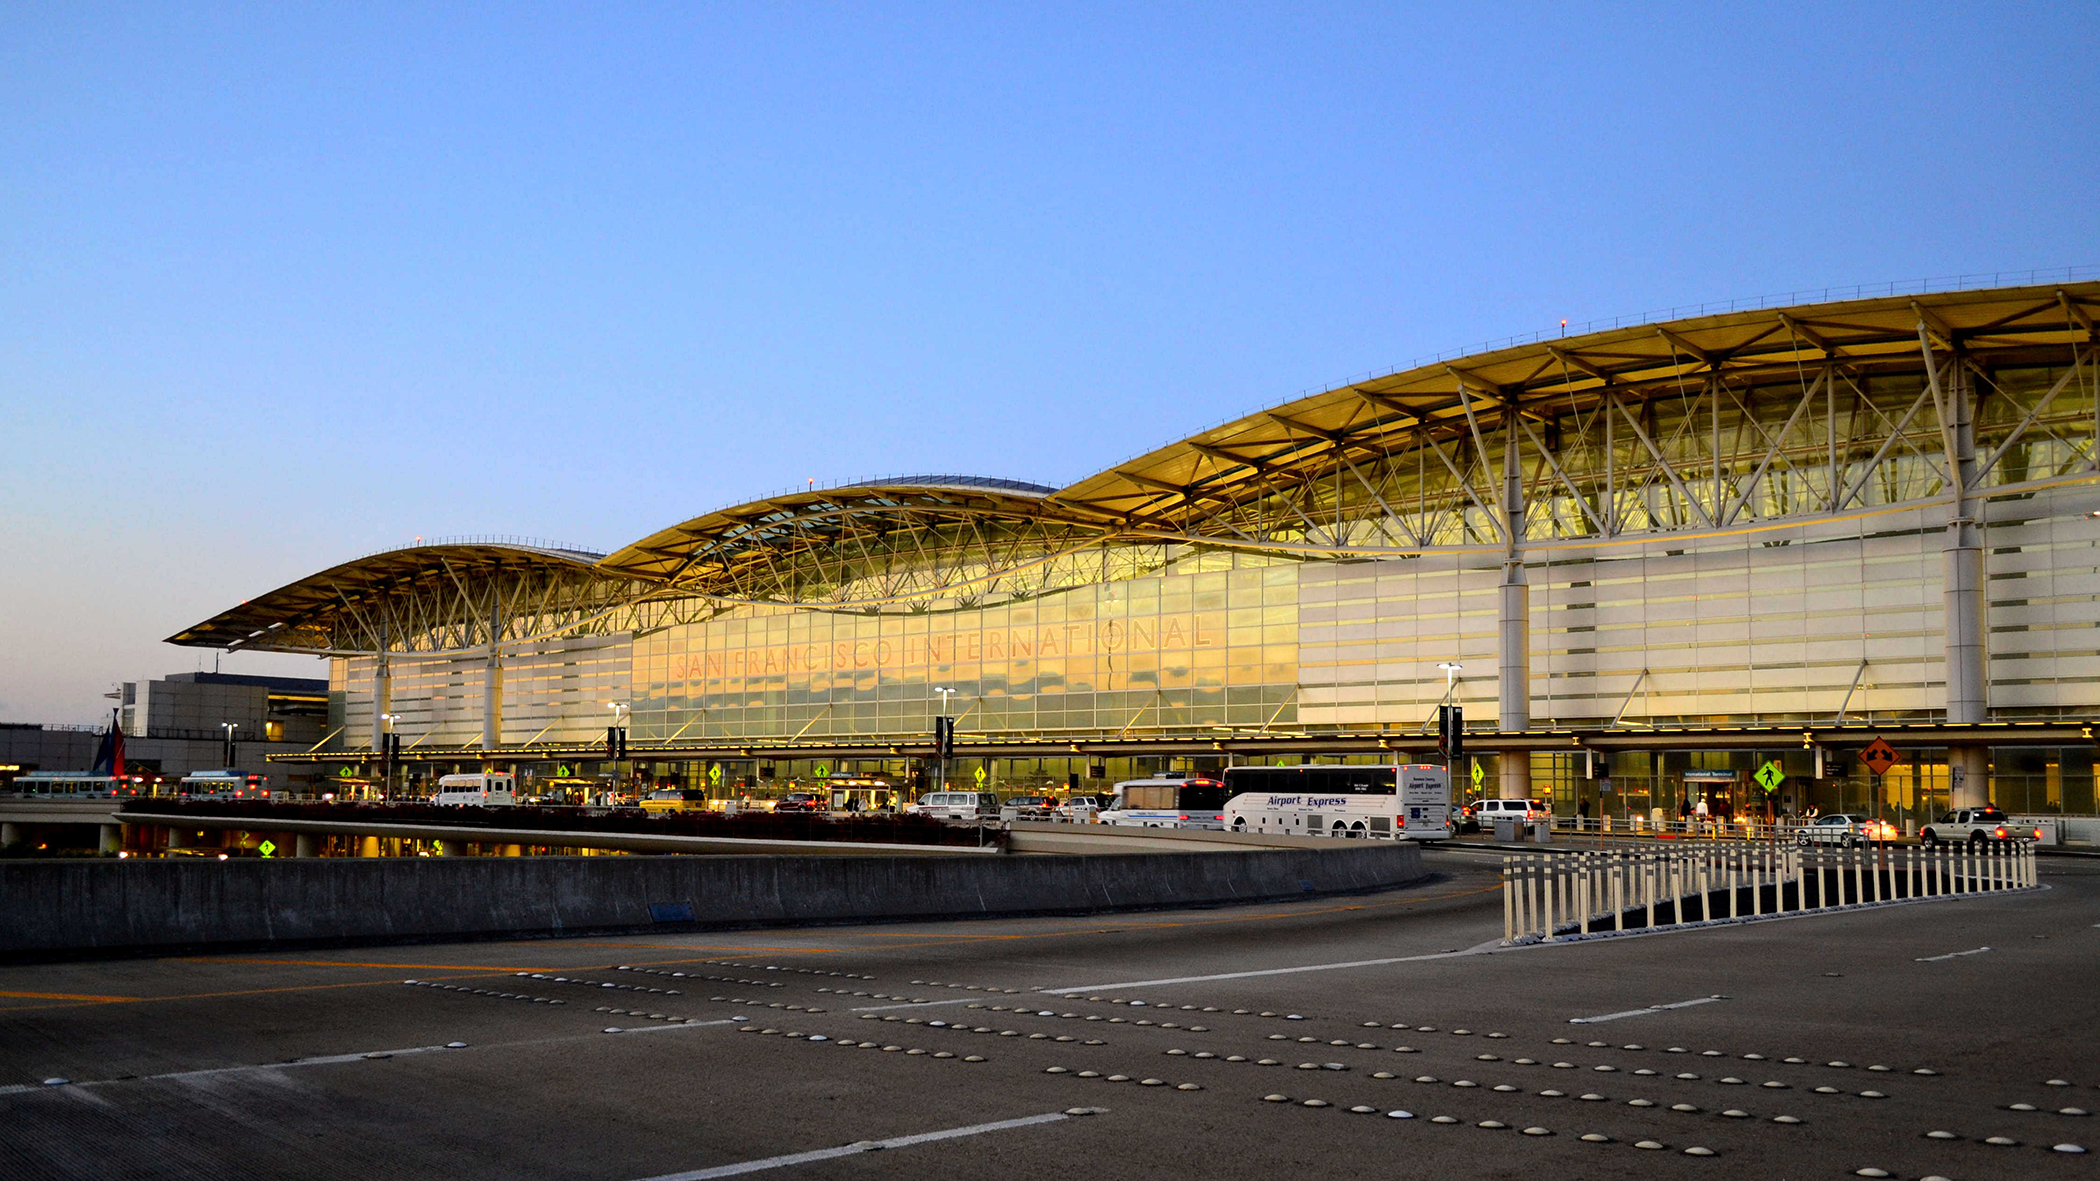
column 1976, row 826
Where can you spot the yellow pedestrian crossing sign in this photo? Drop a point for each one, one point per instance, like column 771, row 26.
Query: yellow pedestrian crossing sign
column 714, row 774
column 980, row 776
column 1479, row 775
column 267, row 848
column 1769, row 776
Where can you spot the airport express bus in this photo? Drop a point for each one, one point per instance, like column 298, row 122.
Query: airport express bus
column 1404, row 802
column 224, row 785
column 78, row 785
column 497, row 790
column 1168, row 801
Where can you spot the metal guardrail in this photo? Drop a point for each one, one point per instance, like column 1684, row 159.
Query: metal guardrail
column 1551, row 896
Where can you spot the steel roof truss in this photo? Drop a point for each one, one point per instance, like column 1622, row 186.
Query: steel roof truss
column 2078, row 359
column 1778, row 444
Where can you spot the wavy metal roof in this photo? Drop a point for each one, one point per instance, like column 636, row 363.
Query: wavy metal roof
column 778, row 528
column 305, row 615
column 864, row 531
column 1230, row 462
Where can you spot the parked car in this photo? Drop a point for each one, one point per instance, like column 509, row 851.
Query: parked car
column 1844, row 830
column 801, row 801
column 955, row 805
column 1079, row 809
column 1977, row 826
column 1486, row 812
column 1032, row 807
column 667, row 800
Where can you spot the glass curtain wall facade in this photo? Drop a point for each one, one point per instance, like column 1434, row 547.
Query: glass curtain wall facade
column 1212, row 642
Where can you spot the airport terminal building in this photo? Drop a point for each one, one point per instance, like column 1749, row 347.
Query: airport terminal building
column 1659, row 556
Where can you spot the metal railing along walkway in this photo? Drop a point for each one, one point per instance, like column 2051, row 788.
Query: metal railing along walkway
column 1551, row 896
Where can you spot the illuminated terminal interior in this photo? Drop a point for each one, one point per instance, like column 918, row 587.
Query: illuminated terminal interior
column 1807, row 524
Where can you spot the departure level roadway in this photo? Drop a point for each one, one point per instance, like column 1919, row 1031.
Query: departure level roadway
column 326, row 1064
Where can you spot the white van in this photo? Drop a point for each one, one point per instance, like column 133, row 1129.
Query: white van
column 1167, row 801
column 497, row 790
column 1522, row 811
column 955, row 805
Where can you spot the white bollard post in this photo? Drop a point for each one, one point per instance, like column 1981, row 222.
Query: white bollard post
column 1509, row 910
column 1757, row 883
column 1545, row 880
column 1523, row 894
column 1531, row 888
column 1734, row 855
column 1647, row 870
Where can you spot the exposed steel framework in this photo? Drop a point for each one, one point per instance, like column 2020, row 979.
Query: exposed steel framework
column 1721, row 423
column 1695, row 426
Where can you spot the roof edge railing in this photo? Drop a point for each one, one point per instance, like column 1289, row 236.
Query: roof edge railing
column 511, row 540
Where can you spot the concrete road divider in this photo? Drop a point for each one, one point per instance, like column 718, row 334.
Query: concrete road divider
column 62, row 908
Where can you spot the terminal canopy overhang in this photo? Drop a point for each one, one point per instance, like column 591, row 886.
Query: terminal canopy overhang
column 1582, row 441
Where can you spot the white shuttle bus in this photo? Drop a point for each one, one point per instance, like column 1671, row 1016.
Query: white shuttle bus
column 1168, row 801
column 1390, row 802
column 497, row 790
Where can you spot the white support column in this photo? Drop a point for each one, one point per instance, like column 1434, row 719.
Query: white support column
column 1968, row 671
column 492, row 679
column 382, row 688
column 1513, row 625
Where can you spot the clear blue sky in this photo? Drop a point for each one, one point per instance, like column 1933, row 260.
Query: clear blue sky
column 284, row 285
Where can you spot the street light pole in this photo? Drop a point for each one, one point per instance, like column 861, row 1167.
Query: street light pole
column 940, row 752
column 386, row 760
column 230, row 751
column 1451, row 671
column 619, row 709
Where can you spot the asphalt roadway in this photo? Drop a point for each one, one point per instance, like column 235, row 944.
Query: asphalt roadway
column 1275, row 1041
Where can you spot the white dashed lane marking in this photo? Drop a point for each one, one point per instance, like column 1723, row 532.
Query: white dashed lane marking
column 961, row 1000
column 1398, row 959
column 1933, row 959
column 1600, row 1019
column 822, row 1154
column 325, row 1060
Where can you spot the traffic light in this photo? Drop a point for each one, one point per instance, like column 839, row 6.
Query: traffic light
column 944, row 738
column 1451, row 731
column 616, row 742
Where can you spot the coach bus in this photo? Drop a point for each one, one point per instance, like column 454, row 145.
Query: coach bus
column 1409, row 802
column 224, row 785
column 78, row 785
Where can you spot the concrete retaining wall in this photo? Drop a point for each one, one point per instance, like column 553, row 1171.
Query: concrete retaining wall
column 57, row 908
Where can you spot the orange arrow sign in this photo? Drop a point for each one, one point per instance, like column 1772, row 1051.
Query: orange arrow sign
column 1879, row 757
